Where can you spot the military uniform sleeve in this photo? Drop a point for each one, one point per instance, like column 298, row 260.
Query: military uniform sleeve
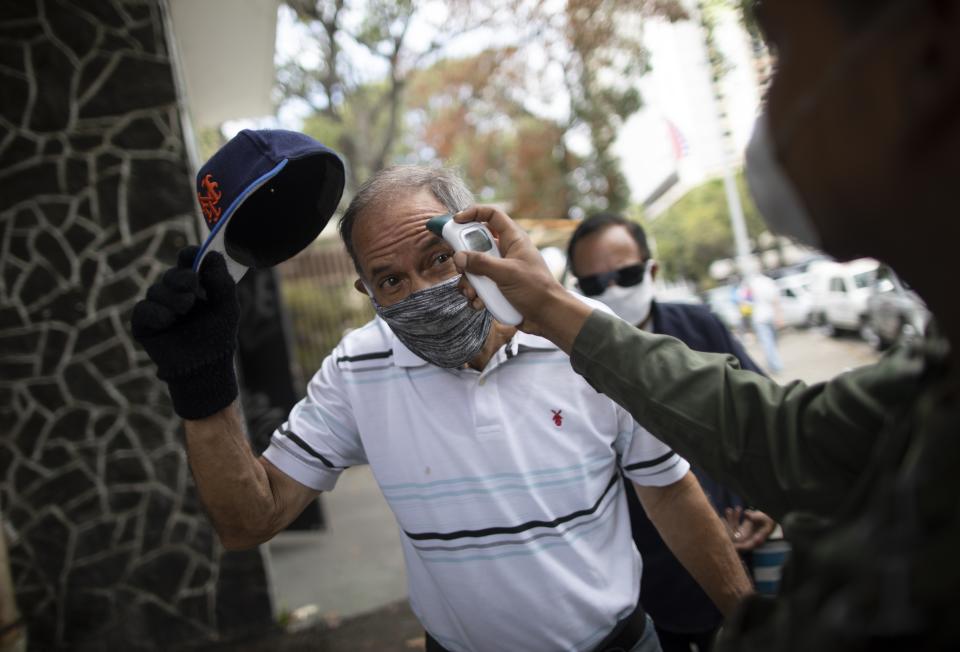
column 784, row 447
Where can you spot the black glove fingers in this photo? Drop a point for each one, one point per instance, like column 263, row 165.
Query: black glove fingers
column 186, row 256
column 192, row 337
column 178, row 303
column 179, row 279
column 216, row 279
column 150, row 318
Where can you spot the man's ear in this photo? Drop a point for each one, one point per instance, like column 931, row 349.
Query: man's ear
column 360, row 287
column 654, row 268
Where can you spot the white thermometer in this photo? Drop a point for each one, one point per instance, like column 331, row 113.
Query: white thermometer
column 475, row 236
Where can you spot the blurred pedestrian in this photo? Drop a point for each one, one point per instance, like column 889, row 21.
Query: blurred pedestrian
column 759, row 300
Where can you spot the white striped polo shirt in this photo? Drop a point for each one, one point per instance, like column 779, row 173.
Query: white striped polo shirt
column 505, row 484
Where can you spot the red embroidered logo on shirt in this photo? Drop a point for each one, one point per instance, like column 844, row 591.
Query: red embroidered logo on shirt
column 557, row 417
column 208, row 202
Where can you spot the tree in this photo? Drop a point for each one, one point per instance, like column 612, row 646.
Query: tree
column 482, row 108
column 480, row 112
column 462, row 111
column 696, row 231
column 359, row 115
column 602, row 54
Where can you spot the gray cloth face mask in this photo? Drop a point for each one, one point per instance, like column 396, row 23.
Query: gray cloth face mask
column 438, row 325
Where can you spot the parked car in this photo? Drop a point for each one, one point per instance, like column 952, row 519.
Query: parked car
column 796, row 301
column 895, row 312
column 840, row 292
column 798, row 268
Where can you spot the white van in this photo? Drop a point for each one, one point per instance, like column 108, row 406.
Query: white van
column 840, row 292
column 796, row 302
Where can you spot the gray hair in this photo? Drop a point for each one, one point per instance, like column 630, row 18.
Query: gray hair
column 445, row 184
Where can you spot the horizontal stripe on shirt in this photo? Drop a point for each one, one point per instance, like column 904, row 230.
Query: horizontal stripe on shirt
column 306, row 447
column 649, row 463
column 514, row 529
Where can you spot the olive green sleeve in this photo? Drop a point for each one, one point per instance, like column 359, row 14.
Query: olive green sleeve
column 784, row 448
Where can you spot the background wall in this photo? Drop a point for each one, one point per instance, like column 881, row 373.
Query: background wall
column 110, row 547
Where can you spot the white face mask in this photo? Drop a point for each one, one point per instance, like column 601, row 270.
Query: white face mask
column 777, row 198
column 631, row 304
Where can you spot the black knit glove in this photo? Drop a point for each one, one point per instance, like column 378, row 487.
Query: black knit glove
column 188, row 326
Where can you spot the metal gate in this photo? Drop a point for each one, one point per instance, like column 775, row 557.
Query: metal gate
column 321, row 304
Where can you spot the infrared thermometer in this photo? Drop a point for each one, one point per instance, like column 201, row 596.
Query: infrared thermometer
column 475, row 236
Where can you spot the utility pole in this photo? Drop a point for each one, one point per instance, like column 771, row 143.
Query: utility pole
column 717, row 72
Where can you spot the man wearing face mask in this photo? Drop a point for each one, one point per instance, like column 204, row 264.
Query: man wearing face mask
column 503, row 467
column 855, row 154
column 610, row 258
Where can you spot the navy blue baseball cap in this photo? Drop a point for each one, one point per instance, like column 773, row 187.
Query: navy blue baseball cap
column 265, row 196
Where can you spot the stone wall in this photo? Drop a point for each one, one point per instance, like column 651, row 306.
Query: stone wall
column 112, row 550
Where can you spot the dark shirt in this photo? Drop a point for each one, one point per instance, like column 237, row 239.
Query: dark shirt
column 667, row 591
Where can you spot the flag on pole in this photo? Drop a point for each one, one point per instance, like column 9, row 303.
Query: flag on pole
column 680, row 146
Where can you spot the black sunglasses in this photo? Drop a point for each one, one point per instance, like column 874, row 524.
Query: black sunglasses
column 624, row 277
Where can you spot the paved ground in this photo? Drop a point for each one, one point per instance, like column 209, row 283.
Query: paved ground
column 353, row 567
column 811, row 356
column 349, row 580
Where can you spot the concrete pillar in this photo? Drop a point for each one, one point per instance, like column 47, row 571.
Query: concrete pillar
column 112, row 549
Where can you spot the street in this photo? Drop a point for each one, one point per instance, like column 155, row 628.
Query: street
column 813, row 357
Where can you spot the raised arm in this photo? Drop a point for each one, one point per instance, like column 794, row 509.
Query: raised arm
column 188, row 325
column 782, row 448
column 248, row 499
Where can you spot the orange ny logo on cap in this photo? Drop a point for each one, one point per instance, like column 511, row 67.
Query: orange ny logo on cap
column 208, row 202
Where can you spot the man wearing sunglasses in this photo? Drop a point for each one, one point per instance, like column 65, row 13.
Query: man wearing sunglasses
column 609, row 256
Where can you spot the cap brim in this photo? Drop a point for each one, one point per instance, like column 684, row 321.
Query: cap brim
column 216, row 239
column 215, row 242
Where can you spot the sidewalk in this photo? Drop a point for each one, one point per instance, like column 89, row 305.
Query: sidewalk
column 349, row 579
column 392, row 628
column 353, row 567
column 813, row 357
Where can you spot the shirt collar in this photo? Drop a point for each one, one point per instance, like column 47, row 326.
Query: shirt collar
column 528, row 341
column 402, row 356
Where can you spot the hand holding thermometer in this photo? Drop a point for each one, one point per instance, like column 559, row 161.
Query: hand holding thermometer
column 475, row 236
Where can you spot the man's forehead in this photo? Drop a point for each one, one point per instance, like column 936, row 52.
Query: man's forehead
column 405, row 202
column 394, row 223
column 607, row 247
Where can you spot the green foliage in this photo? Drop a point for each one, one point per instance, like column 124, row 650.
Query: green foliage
column 748, row 16
column 320, row 314
column 358, row 114
column 383, row 21
column 696, row 231
column 605, row 53
column 359, row 118
column 209, row 140
column 462, row 110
